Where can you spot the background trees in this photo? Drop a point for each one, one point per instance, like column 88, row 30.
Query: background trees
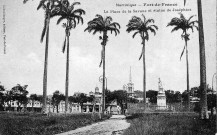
column 57, row 97
column 2, row 97
column 19, row 93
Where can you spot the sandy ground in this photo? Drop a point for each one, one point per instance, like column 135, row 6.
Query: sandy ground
column 113, row 126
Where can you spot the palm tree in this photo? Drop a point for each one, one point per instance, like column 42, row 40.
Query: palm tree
column 203, row 101
column 73, row 17
column 184, row 24
column 47, row 5
column 203, row 88
column 103, row 25
column 142, row 26
column 51, row 9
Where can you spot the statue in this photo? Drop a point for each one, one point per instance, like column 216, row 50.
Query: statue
column 160, row 84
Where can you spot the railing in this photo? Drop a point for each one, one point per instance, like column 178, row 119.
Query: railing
column 148, row 108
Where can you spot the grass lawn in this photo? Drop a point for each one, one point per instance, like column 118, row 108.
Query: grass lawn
column 38, row 124
column 169, row 124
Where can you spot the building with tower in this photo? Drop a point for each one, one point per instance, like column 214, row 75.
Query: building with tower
column 130, row 86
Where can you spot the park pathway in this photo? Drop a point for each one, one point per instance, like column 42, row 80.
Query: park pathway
column 113, row 126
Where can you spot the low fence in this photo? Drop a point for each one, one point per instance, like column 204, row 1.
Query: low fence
column 174, row 107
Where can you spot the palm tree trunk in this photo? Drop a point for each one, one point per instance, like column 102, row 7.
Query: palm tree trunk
column 186, row 45
column 103, row 82
column 144, row 75
column 32, row 106
column 67, row 74
column 44, row 109
column 203, row 101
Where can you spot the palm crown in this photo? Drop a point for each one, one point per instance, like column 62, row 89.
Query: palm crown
column 51, row 10
column 100, row 24
column 183, row 24
column 73, row 16
column 141, row 27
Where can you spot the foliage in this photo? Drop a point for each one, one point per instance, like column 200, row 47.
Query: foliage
column 38, row 124
column 142, row 27
column 81, row 99
column 100, row 24
column 173, row 97
column 183, row 24
column 57, row 97
column 72, row 15
column 169, row 124
column 19, row 93
column 152, row 95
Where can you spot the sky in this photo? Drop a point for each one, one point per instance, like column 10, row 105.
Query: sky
column 23, row 62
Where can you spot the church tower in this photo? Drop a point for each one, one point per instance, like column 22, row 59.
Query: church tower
column 130, row 86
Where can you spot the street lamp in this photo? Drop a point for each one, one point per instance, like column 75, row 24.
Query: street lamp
column 125, row 88
column 103, row 96
column 101, row 79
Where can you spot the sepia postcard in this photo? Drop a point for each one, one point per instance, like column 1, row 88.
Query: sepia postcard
column 102, row 46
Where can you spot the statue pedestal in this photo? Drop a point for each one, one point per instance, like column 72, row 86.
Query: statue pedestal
column 161, row 100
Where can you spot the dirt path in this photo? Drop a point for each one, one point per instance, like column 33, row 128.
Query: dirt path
column 113, row 126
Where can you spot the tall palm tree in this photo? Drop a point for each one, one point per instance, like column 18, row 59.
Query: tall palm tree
column 73, row 17
column 142, row 26
column 203, row 101
column 51, row 9
column 184, row 24
column 103, row 25
column 203, row 88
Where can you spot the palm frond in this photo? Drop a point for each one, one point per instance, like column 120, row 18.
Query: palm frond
column 73, row 4
column 64, row 45
column 149, row 21
column 60, row 19
column 154, row 26
column 191, row 17
column 174, row 21
column 192, row 23
column 78, row 11
column 41, row 3
column 182, row 16
column 152, row 30
column 113, row 29
column 44, row 30
column 135, row 34
column 115, row 24
column 175, row 28
column 182, row 53
column 141, row 52
column 79, row 18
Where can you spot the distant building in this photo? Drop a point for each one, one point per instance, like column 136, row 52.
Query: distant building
column 130, row 86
